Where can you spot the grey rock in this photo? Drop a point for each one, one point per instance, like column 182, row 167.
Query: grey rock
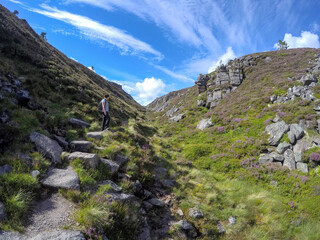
column 282, row 147
column 289, row 160
column 4, row 117
column 167, row 183
column 91, row 159
column 195, row 213
column 298, row 156
column 23, row 97
column 220, row 228
column 276, row 119
column 302, row 145
column 232, row 220
column 147, row 206
column 137, row 188
column 78, row 123
column 119, row 197
column 273, row 98
column 111, row 165
column 186, row 227
column 318, row 122
column 62, row 178
column 276, row 131
column 268, row 59
column 1, row 96
column 172, row 111
column 303, row 124
column 292, row 137
column 114, row 186
column 144, row 231
column 81, row 146
column 121, row 160
column 204, row 123
column 307, row 79
column 3, row 214
column 297, row 131
column 5, row 169
column 270, row 157
column 177, row 118
column 201, row 103
column 62, row 142
column 7, row 89
column 35, row 173
column 48, row 147
column 95, row 135
column 303, row 167
column 156, row 202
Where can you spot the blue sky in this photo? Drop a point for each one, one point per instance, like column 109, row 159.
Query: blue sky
column 153, row 47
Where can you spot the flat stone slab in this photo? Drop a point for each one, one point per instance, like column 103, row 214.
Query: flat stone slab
column 81, row 146
column 95, row 135
column 62, row 178
column 48, row 147
column 119, row 196
column 111, row 165
column 91, row 159
column 78, row 123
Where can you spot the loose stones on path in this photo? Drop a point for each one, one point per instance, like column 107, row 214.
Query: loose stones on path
column 91, row 159
column 95, row 135
column 81, row 146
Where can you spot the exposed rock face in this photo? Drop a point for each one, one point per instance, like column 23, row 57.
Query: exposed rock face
column 5, row 169
column 161, row 103
column 81, row 146
column 78, row 123
column 177, row 118
column 48, row 147
column 172, row 111
column 202, row 82
column 62, row 178
column 204, row 123
column 91, row 159
column 276, row 131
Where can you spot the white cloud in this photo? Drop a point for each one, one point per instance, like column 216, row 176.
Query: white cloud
column 98, row 31
column 223, row 59
column 144, row 92
column 307, row 39
column 149, row 89
column 174, row 74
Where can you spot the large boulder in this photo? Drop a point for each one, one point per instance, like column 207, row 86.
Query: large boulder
column 296, row 132
column 78, row 123
column 90, row 159
column 5, row 169
column 111, row 165
column 204, row 123
column 48, row 147
column 289, row 160
column 276, row 132
column 62, row 178
column 308, row 78
column 282, row 147
column 81, row 146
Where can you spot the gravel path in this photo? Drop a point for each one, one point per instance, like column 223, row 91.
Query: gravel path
column 50, row 214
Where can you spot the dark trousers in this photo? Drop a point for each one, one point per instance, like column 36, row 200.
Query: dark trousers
column 105, row 121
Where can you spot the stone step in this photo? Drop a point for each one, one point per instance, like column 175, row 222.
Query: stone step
column 111, row 165
column 95, row 135
column 91, row 159
column 62, row 178
column 81, row 146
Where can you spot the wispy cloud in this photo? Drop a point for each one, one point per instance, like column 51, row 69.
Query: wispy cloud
column 175, row 75
column 95, row 30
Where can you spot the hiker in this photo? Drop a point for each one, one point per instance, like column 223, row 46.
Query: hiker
column 104, row 109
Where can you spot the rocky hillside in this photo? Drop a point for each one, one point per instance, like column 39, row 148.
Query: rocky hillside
column 246, row 142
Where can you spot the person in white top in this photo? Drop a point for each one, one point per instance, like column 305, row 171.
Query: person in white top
column 104, row 109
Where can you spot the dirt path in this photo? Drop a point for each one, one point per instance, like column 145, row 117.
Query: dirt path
column 50, row 214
